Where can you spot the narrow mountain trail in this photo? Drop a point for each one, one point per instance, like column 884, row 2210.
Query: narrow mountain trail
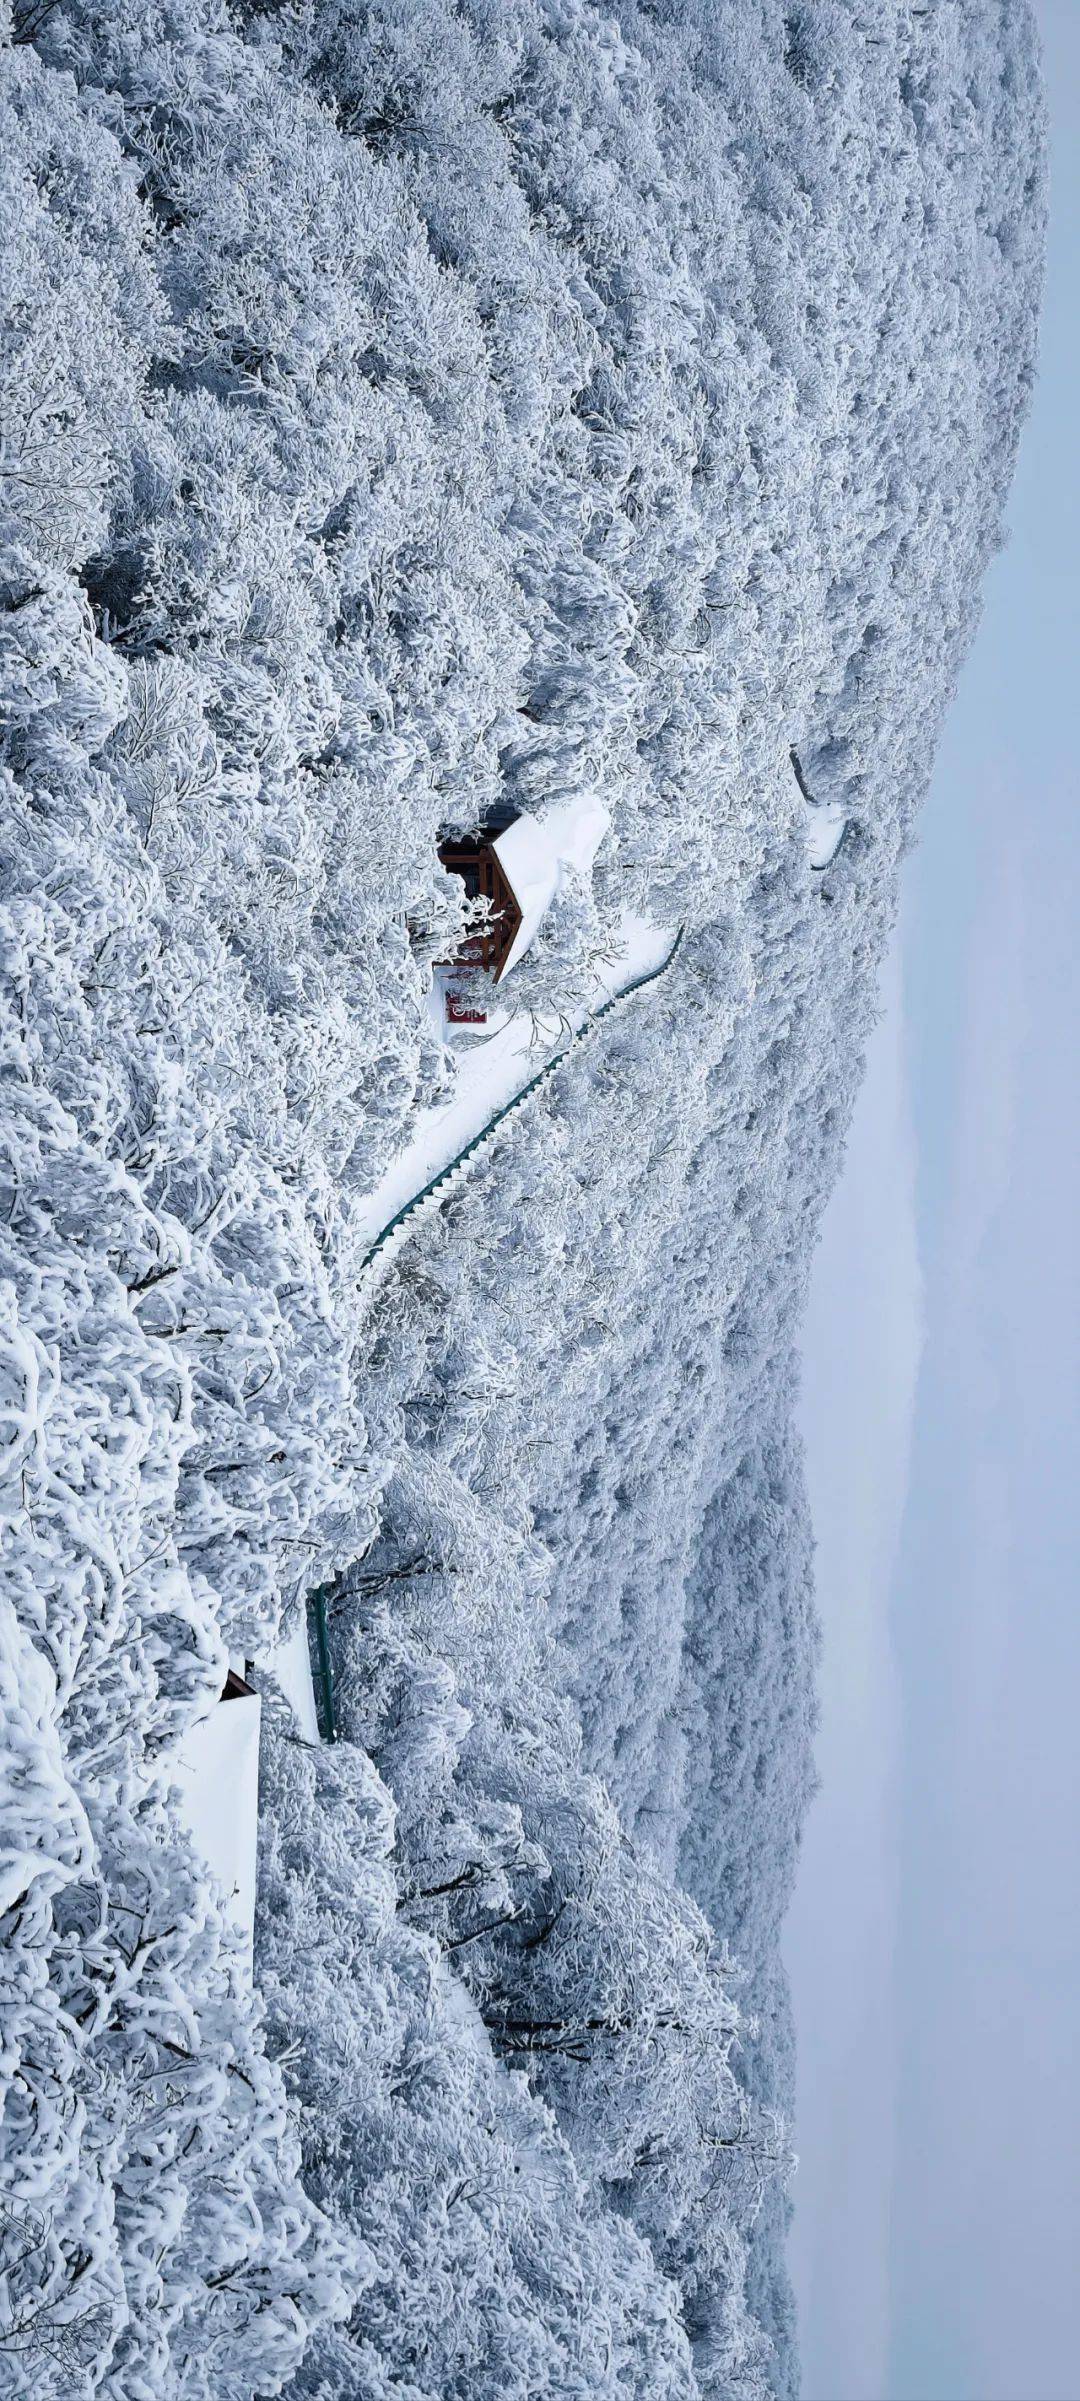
column 431, row 1196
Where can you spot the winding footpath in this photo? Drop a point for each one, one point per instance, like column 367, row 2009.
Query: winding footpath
column 431, row 1195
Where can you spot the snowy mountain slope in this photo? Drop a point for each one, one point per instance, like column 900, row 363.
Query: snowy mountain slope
column 407, row 408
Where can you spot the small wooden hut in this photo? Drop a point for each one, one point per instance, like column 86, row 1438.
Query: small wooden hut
column 517, row 863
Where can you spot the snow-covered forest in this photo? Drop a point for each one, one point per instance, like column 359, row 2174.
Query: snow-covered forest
column 408, row 409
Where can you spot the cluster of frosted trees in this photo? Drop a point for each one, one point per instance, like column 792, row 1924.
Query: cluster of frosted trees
column 405, row 408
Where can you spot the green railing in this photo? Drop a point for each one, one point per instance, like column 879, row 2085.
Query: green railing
column 319, row 1600
column 318, row 1604
column 549, row 1068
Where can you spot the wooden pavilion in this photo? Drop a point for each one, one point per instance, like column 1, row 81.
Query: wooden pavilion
column 475, row 859
column 518, row 863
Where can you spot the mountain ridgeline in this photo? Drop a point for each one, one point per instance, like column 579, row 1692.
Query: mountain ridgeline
column 413, row 409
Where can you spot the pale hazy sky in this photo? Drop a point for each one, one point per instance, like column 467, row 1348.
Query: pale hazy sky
column 935, row 1941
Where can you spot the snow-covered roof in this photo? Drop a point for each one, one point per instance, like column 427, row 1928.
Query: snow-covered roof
column 826, row 822
column 536, row 852
column 217, row 1781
